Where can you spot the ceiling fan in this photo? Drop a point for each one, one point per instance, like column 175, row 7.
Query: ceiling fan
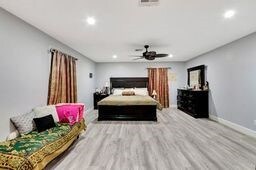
column 150, row 55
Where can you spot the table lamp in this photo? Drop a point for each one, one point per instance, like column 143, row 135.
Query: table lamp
column 154, row 94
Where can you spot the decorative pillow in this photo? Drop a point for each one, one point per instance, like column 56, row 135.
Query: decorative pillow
column 46, row 110
column 13, row 135
column 128, row 93
column 44, row 123
column 70, row 112
column 24, row 123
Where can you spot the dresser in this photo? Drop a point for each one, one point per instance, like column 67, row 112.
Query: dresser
column 98, row 97
column 194, row 103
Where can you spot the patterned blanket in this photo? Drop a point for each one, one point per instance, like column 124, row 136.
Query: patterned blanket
column 35, row 150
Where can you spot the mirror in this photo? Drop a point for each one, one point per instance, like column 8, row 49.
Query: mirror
column 196, row 76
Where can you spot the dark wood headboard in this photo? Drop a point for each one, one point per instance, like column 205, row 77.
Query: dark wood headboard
column 128, row 82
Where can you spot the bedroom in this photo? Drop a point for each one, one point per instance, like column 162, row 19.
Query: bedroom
column 105, row 37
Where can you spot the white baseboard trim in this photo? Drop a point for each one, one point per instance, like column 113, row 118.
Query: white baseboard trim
column 89, row 110
column 173, row 106
column 89, row 115
column 234, row 126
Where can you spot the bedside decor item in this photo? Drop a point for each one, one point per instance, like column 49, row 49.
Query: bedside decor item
column 97, row 90
column 106, row 88
column 44, row 123
column 154, row 94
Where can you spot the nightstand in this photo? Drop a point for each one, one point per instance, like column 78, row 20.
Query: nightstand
column 98, row 97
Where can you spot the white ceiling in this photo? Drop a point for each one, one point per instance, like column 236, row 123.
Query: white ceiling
column 183, row 28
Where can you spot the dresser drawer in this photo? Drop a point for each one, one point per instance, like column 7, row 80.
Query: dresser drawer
column 194, row 103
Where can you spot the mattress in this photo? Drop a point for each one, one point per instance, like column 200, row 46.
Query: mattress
column 118, row 100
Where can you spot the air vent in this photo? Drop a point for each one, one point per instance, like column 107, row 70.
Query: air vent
column 148, row 2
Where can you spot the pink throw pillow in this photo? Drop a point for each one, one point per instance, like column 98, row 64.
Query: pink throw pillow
column 70, row 112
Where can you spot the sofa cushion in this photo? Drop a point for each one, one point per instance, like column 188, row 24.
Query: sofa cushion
column 46, row 110
column 24, row 122
column 13, row 135
column 44, row 123
column 70, row 112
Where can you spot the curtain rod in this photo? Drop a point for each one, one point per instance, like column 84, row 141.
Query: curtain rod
column 54, row 50
column 159, row 67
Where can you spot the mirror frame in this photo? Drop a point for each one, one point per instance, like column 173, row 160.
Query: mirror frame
column 202, row 74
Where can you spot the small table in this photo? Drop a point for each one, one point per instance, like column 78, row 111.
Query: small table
column 98, row 97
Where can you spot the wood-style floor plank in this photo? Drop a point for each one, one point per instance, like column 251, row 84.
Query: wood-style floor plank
column 176, row 141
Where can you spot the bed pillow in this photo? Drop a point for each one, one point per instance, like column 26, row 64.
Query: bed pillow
column 44, row 123
column 46, row 110
column 24, row 122
column 141, row 91
column 70, row 112
column 128, row 89
column 128, row 93
column 118, row 92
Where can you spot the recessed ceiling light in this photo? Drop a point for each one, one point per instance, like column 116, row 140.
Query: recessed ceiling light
column 229, row 14
column 91, row 20
column 170, row 55
column 114, row 56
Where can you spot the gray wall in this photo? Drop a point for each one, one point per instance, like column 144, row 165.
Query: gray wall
column 106, row 70
column 231, row 73
column 24, row 69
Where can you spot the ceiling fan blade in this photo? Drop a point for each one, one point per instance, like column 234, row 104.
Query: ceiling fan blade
column 138, row 58
column 135, row 56
column 161, row 55
column 139, row 49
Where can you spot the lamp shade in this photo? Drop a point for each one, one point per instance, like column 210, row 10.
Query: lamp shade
column 154, row 93
column 106, row 84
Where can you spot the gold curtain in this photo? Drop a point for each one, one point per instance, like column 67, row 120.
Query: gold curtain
column 158, row 81
column 62, row 81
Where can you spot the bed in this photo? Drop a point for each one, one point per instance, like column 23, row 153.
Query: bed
column 128, row 108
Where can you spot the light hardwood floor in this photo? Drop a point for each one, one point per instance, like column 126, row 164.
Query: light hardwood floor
column 176, row 141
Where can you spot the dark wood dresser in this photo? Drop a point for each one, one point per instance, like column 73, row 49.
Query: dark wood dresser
column 98, row 97
column 194, row 103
